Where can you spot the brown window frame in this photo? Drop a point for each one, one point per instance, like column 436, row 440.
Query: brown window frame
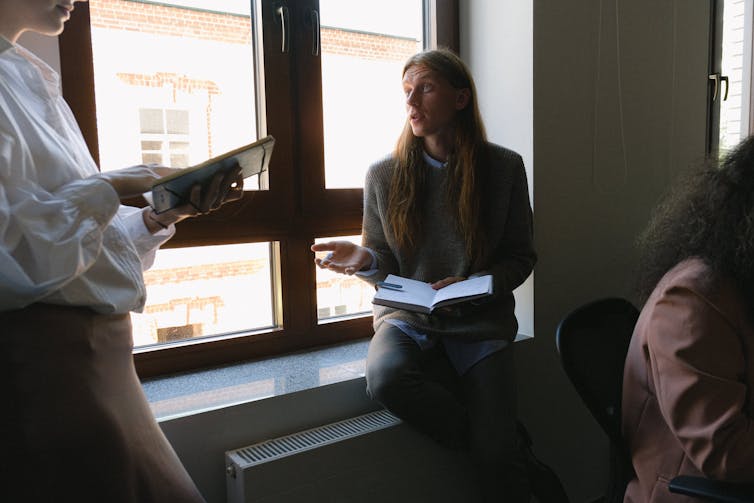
column 260, row 217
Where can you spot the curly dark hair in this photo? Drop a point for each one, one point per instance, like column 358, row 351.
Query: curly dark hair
column 709, row 215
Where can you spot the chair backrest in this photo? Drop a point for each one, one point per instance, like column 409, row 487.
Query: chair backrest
column 592, row 342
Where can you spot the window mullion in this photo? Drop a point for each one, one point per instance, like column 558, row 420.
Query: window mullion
column 294, row 210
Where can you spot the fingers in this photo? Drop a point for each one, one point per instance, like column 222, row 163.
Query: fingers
column 195, row 199
column 333, row 263
column 223, row 188
column 343, row 256
column 162, row 170
column 328, row 246
column 212, row 196
column 446, row 281
column 324, row 262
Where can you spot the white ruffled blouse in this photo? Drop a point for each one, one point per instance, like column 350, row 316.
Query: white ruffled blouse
column 64, row 236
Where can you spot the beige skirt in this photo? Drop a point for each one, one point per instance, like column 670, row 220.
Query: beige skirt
column 77, row 425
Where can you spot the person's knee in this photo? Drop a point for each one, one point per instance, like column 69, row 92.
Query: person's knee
column 385, row 382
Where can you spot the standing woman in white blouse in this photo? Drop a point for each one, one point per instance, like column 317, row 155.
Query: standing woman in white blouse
column 76, row 425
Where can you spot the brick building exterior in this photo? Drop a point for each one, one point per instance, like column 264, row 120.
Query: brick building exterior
column 134, row 37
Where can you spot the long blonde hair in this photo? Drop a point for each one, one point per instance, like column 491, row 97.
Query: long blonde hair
column 463, row 183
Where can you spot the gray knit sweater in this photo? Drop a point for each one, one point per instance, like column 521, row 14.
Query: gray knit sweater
column 440, row 250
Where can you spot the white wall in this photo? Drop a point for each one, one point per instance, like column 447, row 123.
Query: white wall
column 607, row 105
column 496, row 44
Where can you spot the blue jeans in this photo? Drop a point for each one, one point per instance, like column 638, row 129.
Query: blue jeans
column 475, row 411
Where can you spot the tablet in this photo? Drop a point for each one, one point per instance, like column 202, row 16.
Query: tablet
column 174, row 190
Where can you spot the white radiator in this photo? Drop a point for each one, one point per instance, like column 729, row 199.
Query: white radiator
column 364, row 459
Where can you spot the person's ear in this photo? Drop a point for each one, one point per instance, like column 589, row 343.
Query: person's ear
column 463, row 97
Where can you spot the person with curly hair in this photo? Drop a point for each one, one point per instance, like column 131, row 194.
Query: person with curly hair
column 688, row 390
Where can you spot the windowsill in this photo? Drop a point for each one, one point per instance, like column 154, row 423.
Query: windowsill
column 204, row 390
column 194, row 392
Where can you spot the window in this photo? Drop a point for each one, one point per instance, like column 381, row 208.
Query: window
column 164, row 137
column 736, row 91
column 179, row 81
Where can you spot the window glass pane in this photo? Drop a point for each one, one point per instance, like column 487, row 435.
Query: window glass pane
column 206, row 291
column 733, row 124
column 151, row 158
column 172, row 68
column 178, row 161
column 339, row 295
column 178, row 146
column 174, row 85
column 151, row 145
column 176, row 121
column 150, row 121
column 363, row 52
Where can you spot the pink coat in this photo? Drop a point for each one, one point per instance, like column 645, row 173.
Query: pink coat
column 688, row 390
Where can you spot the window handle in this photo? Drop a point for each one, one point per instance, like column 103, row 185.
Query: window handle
column 718, row 79
column 315, row 33
column 282, row 13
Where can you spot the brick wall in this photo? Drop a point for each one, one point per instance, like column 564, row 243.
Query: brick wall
column 366, row 45
column 165, row 20
column 235, row 29
column 207, row 271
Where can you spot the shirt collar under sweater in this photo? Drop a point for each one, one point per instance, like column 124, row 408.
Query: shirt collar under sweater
column 432, row 161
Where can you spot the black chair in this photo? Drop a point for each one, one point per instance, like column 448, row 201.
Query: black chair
column 592, row 342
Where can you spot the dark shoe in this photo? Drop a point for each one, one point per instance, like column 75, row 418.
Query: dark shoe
column 545, row 484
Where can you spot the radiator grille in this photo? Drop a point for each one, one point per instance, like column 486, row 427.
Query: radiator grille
column 311, row 439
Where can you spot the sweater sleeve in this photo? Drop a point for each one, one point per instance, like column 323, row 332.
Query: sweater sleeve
column 697, row 363
column 514, row 257
column 374, row 237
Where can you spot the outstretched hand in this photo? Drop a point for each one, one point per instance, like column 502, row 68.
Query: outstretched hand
column 343, row 256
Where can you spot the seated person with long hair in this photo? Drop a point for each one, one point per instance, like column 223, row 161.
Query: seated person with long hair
column 445, row 206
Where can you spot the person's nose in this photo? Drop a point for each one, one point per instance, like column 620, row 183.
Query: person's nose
column 411, row 99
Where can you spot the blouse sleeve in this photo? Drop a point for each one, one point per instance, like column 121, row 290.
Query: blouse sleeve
column 46, row 238
column 698, row 366
column 145, row 242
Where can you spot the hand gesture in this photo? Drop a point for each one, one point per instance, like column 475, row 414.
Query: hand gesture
column 343, row 256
